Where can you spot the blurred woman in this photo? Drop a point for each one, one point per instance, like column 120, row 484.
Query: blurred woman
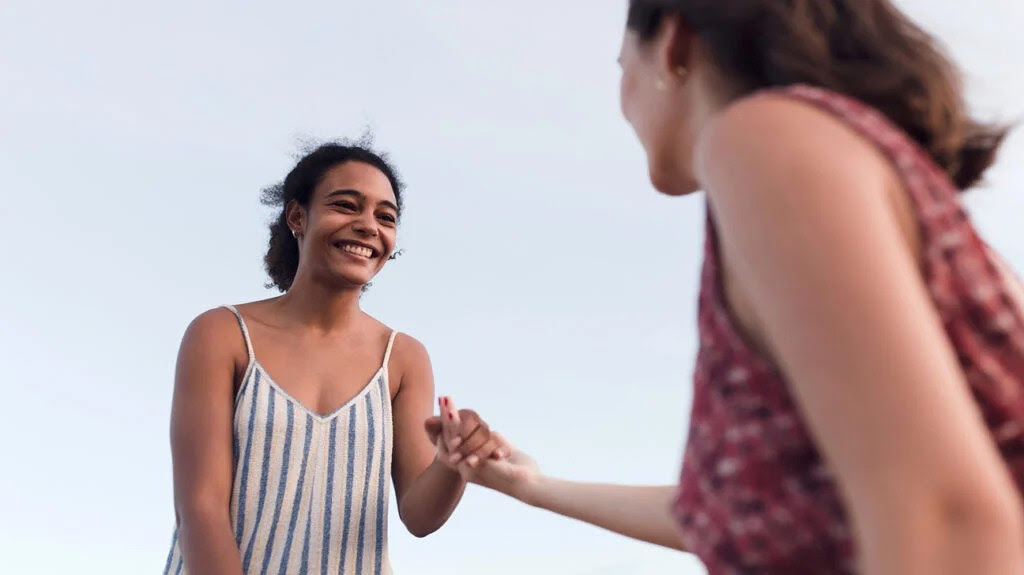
column 858, row 398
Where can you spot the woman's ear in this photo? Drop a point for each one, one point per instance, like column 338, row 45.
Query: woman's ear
column 674, row 47
column 295, row 216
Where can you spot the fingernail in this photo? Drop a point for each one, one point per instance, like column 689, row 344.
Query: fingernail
column 451, row 416
column 472, row 460
column 444, row 401
column 455, row 457
column 457, row 441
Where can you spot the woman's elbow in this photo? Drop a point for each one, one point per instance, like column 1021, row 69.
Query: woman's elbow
column 418, row 525
column 420, row 529
column 985, row 525
column 989, row 510
column 420, row 532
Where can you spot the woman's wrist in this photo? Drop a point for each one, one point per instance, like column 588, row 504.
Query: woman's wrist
column 445, row 470
column 529, row 490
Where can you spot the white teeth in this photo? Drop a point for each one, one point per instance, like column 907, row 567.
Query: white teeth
column 358, row 250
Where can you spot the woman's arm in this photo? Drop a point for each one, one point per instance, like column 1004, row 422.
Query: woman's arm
column 804, row 210
column 638, row 512
column 427, row 490
column 201, row 419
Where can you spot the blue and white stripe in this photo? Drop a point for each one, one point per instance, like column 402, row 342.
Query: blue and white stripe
column 310, row 492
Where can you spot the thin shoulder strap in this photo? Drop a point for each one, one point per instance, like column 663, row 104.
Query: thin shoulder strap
column 387, row 352
column 245, row 331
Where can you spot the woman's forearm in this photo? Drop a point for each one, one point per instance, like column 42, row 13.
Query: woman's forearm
column 431, row 499
column 638, row 512
column 208, row 545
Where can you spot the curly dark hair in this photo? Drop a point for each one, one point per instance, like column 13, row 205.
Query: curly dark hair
column 866, row 49
column 282, row 259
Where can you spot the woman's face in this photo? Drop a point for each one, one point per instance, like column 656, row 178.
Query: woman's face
column 655, row 98
column 348, row 231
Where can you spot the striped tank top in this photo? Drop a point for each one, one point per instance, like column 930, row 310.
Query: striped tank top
column 310, row 492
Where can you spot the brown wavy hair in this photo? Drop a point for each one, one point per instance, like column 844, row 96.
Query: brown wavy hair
column 866, row 49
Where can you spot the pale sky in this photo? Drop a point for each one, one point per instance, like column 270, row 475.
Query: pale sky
column 554, row 289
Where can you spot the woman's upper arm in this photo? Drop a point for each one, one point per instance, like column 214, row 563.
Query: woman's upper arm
column 413, row 404
column 808, row 230
column 202, row 412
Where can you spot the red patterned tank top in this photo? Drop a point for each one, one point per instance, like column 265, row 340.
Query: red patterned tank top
column 755, row 495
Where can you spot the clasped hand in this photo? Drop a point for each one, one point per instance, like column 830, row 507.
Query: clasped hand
column 466, row 443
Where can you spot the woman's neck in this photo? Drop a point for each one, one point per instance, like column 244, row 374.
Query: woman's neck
column 324, row 308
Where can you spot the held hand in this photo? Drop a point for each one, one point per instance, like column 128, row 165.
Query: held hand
column 462, row 436
column 514, row 475
column 467, row 444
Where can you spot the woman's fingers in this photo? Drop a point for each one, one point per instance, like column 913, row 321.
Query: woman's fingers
column 466, row 435
column 434, row 428
column 474, row 433
column 450, row 421
column 504, row 448
column 491, row 450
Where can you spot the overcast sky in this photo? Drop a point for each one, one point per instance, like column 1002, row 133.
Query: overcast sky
column 554, row 289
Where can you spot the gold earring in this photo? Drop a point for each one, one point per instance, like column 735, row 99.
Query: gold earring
column 681, row 71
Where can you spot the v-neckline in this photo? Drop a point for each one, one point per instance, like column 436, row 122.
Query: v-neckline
column 375, row 378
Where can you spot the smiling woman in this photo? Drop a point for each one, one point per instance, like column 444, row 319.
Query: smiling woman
column 336, row 165
column 291, row 472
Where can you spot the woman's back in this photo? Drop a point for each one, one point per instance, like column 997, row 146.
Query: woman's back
column 752, row 470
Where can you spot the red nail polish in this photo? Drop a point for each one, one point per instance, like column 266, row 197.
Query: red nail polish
column 451, row 416
column 444, row 400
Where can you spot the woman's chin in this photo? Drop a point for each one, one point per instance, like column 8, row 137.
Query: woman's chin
column 674, row 186
column 346, row 281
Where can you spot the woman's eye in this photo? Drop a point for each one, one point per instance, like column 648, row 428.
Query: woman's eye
column 346, row 205
column 387, row 218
